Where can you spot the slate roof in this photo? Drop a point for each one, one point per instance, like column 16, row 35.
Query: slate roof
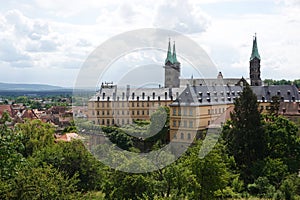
column 287, row 93
column 197, row 95
column 210, row 81
column 213, row 95
column 207, row 95
column 135, row 94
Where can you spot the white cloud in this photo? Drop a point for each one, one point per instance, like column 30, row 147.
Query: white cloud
column 58, row 37
column 10, row 52
column 181, row 16
column 230, row 41
column 27, row 42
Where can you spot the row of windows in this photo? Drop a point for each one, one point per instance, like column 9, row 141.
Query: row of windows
column 126, row 104
column 216, row 111
column 121, row 112
column 222, row 93
column 184, row 136
column 185, row 123
column 183, row 111
column 111, row 122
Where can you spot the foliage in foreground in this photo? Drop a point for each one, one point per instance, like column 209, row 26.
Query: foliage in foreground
column 33, row 166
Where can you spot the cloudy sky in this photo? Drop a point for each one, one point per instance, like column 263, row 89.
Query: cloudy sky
column 47, row 41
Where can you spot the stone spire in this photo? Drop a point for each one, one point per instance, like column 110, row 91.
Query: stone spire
column 174, row 54
column 255, row 53
column 169, row 55
column 255, row 65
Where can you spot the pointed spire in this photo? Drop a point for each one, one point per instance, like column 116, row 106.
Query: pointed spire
column 255, row 53
column 169, row 55
column 174, row 54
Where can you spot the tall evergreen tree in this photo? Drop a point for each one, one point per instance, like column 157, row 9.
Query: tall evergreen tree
column 245, row 136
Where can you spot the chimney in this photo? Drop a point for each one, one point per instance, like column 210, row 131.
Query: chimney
column 127, row 91
column 170, row 92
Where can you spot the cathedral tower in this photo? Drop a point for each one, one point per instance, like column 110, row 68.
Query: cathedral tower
column 255, row 65
column 172, row 69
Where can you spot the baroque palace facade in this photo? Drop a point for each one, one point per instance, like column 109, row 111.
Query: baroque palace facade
column 195, row 104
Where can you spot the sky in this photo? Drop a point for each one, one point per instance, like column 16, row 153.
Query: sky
column 48, row 41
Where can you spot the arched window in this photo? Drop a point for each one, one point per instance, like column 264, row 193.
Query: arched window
column 188, row 136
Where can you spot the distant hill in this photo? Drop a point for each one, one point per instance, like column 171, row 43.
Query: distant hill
column 28, row 87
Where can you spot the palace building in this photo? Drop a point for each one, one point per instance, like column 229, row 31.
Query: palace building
column 195, row 104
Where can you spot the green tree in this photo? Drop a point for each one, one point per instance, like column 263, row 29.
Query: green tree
column 10, row 147
column 283, row 142
column 244, row 134
column 297, row 83
column 275, row 104
column 22, row 99
column 39, row 183
column 72, row 159
column 159, row 125
column 35, row 135
column 36, row 105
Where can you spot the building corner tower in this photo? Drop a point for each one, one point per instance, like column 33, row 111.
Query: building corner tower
column 255, row 65
column 172, row 68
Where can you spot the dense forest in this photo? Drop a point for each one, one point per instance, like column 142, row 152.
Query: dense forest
column 257, row 156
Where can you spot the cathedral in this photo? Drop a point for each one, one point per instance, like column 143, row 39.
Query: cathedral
column 195, row 104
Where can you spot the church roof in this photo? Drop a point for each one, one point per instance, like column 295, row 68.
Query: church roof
column 254, row 53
